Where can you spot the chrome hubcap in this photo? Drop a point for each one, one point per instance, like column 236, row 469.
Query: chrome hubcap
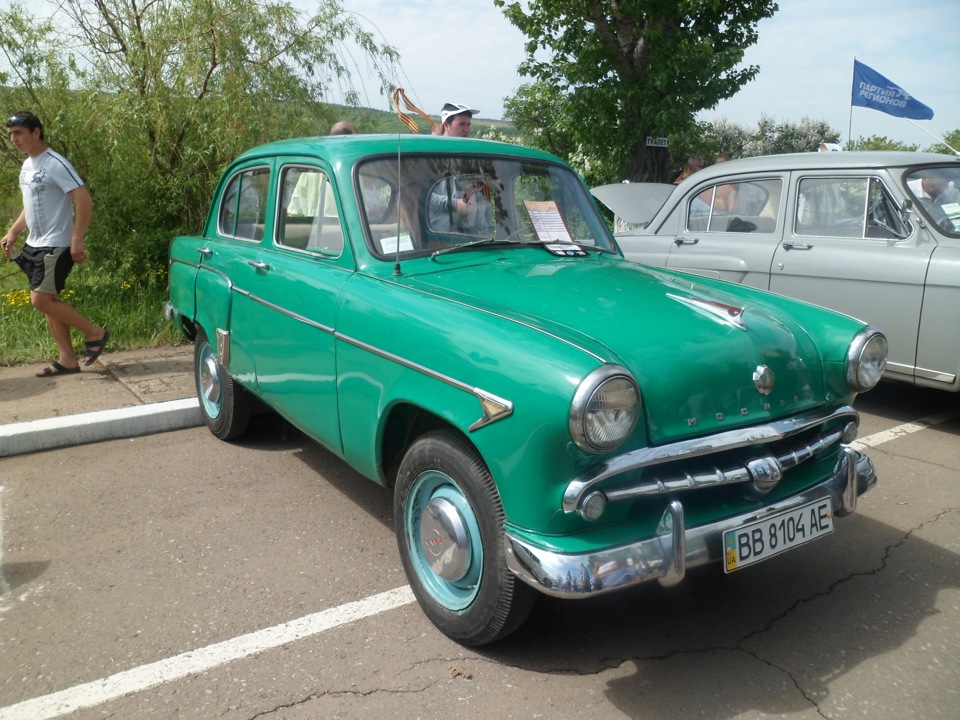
column 210, row 380
column 444, row 539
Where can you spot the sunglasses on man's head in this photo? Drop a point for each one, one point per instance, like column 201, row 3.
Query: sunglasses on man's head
column 17, row 121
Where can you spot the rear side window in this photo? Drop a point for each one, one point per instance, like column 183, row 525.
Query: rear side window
column 741, row 207
column 307, row 216
column 243, row 205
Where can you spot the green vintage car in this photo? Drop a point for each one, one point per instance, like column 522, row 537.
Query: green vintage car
column 453, row 318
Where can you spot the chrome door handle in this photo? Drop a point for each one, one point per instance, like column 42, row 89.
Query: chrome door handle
column 685, row 241
column 797, row 246
column 258, row 265
column 205, row 251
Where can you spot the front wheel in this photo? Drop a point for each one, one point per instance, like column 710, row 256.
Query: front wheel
column 449, row 526
column 225, row 404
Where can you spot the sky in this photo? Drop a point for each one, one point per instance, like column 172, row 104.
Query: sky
column 468, row 52
column 465, row 51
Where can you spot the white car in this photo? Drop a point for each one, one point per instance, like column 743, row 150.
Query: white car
column 875, row 235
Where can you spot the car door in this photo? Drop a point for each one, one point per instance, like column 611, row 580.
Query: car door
column 234, row 240
column 294, row 288
column 847, row 249
column 730, row 230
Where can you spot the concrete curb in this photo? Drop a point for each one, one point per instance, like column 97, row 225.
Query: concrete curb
column 51, row 433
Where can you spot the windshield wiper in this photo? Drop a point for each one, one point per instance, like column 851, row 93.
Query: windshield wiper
column 510, row 239
column 463, row 246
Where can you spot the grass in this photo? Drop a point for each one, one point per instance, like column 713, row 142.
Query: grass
column 132, row 308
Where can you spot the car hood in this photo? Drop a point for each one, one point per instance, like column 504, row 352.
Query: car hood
column 634, row 203
column 694, row 350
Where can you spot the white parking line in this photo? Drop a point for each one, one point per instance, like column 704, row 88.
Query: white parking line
column 203, row 659
column 196, row 661
column 906, row 429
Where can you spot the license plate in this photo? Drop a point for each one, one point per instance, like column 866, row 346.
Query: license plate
column 771, row 536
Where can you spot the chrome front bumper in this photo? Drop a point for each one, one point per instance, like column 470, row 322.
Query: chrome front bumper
column 667, row 556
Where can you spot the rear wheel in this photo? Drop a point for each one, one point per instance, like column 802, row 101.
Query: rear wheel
column 449, row 525
column 225, row 404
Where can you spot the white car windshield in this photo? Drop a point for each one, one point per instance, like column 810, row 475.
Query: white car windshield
column 425, row 204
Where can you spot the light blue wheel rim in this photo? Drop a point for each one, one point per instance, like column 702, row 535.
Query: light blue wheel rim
column 454, row 596
column 208, row 377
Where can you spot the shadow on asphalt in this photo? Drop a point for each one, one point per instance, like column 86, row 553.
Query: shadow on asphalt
column 731, row 640
column 905, row 403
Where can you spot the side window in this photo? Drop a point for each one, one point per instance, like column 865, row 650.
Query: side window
column 307, row 215
column 243, row 206
column 883, row 216
column 834, row 207
column 740, row 207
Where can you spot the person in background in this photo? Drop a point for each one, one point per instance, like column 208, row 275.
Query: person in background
column 452, row 209
column 344, row 127
column 694, row 163
column 454, row 120
column 57, row 208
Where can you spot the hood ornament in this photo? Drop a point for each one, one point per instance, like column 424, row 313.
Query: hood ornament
column 763, row 380
column 726, row 314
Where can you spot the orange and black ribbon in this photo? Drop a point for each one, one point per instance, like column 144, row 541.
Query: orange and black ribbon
column 400, row 95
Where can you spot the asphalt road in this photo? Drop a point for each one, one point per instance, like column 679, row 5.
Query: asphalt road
column 178, row 576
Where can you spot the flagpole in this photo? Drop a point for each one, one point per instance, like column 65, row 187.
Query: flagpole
column 850, row 122
column 938, row 139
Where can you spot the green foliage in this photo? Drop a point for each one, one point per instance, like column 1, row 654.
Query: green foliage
column 772, row 137
column 610, row 73
column 952, row 146
column 150, row 101
column 878, row 142
column 131, row 306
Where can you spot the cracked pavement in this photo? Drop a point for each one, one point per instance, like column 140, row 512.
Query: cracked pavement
column 127, row 552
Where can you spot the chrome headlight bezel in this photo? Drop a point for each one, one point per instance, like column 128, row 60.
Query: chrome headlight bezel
column 866, row 359
column 596, row 425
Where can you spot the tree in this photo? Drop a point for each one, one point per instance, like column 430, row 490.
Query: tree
column 151, row 100
column 772, row 137
column 631, row 69
column 879, row 142
column 952, row 146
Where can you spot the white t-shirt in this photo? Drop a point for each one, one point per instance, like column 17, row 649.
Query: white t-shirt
column 45, row 181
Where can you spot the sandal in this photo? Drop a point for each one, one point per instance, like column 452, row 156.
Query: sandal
column 55, row 369
column 95, row 347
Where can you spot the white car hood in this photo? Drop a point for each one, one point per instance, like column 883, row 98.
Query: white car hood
column 634, row 203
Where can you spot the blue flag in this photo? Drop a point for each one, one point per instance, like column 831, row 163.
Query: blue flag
column 873, row 90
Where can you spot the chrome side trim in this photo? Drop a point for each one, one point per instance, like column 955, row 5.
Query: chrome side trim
column 492, row 407
column 925, row 373
column 936, row 376
column 666, row 557
column 699, row 447
column 289, row 313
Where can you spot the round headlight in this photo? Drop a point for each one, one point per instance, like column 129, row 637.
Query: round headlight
column 866, row 359
column 605, row 409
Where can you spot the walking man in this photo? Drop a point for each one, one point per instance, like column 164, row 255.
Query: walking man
column 57, row 208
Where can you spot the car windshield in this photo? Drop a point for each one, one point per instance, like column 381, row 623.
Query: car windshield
column 425, row 204
column 936, row 191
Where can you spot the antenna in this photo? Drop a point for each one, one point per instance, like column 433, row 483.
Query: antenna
column 400, row 95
